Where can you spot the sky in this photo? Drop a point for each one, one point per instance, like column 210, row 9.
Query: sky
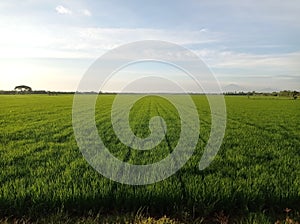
column 247, row 45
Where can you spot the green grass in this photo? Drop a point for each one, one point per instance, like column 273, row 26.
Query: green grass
column 256, row 171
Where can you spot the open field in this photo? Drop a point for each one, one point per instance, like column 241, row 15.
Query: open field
column 256, row 171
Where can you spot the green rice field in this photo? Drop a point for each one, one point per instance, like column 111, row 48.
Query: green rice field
column 256, row 173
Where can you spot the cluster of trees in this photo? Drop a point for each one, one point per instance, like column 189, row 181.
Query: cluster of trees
column 289, row 93
column 284, row 93
column 22, row 89
column 18, row 89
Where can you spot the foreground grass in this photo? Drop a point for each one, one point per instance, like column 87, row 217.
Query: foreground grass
column 255, row 176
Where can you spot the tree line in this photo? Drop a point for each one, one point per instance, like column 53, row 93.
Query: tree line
column 23, row 89
column 285, row 93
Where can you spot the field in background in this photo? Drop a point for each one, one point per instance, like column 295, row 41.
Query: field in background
column 256, row 171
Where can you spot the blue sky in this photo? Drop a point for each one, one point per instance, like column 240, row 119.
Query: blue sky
column 50, row 44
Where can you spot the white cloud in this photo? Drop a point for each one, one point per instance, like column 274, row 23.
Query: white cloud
column 254, row 71
column 63, row 10
column 79, row 42
column 86, row 42
column 89, row 39
column 231, row 59
column 86, row 12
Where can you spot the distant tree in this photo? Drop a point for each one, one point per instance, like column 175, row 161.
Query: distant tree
column 23, row 88
column 295, row 95
column 288, row 93
column 285, row 93
column 274, row 94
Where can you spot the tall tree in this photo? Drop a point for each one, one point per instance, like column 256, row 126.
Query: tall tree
column 23, row 88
